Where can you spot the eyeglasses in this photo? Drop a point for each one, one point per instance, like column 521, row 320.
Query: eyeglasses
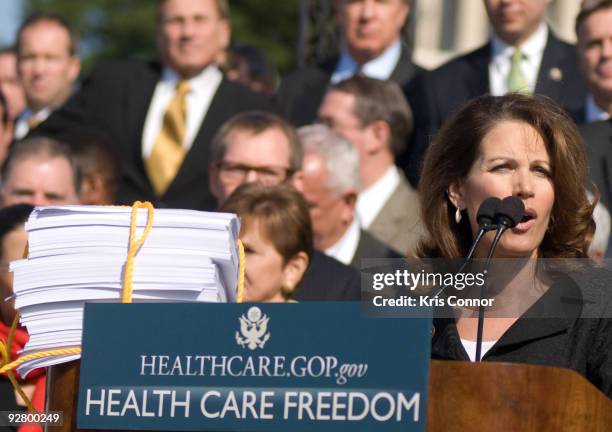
column 268, row 175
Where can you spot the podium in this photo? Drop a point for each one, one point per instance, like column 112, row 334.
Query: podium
column 513, row 397
column 462, row 397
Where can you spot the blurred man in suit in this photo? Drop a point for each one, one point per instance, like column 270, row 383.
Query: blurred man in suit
column 374, row 116
column 371, row 46
column 48, row 66
column 39, row 171
column 10, row 84
column 594, row 30
column 262, row 147
column 523, row 55
column 330, row 186
column 162, row 117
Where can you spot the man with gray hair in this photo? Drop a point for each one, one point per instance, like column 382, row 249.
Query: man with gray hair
column 39, row 171
column 330, row 186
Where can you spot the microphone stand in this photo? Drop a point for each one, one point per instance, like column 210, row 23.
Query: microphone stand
column 484, row 217
column 481, row 232
column 508, row 215
column 483, row 289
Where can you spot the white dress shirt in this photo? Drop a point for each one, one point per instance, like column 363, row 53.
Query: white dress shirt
column 370, row 201
column 380, row 67
column 499, row 67
column 22, row 127
column 344, row 249
column 203, row 89
column 593, row 113
column 470, row 348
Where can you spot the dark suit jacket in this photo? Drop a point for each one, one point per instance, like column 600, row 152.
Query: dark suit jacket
column 115, row 99
column 598, row 139
column 570, row 326
column 370, row 247
column 301, row 92
column 435, row 95
column 327, row 279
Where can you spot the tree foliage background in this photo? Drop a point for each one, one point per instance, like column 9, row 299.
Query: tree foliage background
column 126, row 28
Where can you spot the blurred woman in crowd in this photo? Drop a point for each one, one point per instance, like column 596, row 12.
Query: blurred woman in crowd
column 277, row 238
column 525, row 147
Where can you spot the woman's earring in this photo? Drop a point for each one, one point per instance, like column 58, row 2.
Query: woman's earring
column 458, row 216
column 287, row 289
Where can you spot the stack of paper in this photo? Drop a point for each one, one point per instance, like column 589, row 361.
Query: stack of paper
column 77, row 254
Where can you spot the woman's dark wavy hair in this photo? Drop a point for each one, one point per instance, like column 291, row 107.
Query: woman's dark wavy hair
column 455, row 148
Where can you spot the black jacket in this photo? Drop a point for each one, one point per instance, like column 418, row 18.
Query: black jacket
column 570, row 326
column 327, row 279
column 302, row 91
column 598, row 140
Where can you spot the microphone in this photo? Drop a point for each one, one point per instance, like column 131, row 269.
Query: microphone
column 485, row 217
column 508, row 215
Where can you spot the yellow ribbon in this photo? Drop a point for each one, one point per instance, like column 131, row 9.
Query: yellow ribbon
column 135, row 246
column 241, row 268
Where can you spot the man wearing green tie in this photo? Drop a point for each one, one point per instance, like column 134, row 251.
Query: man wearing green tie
column 523, row 55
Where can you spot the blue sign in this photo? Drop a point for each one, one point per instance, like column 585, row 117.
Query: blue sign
column 252, row 367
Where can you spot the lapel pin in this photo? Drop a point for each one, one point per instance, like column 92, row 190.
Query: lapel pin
column 555, row 74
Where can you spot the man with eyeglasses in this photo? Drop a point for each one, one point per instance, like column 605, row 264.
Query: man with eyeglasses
column 253, row 147
column 261, row 147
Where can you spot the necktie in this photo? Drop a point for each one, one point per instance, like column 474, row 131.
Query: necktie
column 517, row 82
column 33, row 122
column 168, row 152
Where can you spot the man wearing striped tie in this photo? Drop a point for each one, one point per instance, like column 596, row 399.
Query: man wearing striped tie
column 161, row 116
column 523, row 55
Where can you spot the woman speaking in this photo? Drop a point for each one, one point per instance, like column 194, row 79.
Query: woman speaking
column 524, row 147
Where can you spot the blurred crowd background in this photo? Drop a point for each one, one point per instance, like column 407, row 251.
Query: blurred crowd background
column 297, row 33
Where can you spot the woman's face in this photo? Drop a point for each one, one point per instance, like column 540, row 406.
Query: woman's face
column 13, row 246
column 512, row 160
column 264, row 274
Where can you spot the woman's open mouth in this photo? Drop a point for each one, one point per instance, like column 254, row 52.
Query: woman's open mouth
column 529, row 217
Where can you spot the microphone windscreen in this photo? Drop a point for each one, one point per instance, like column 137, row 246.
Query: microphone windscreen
column 511, row 209
column 486, row 211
